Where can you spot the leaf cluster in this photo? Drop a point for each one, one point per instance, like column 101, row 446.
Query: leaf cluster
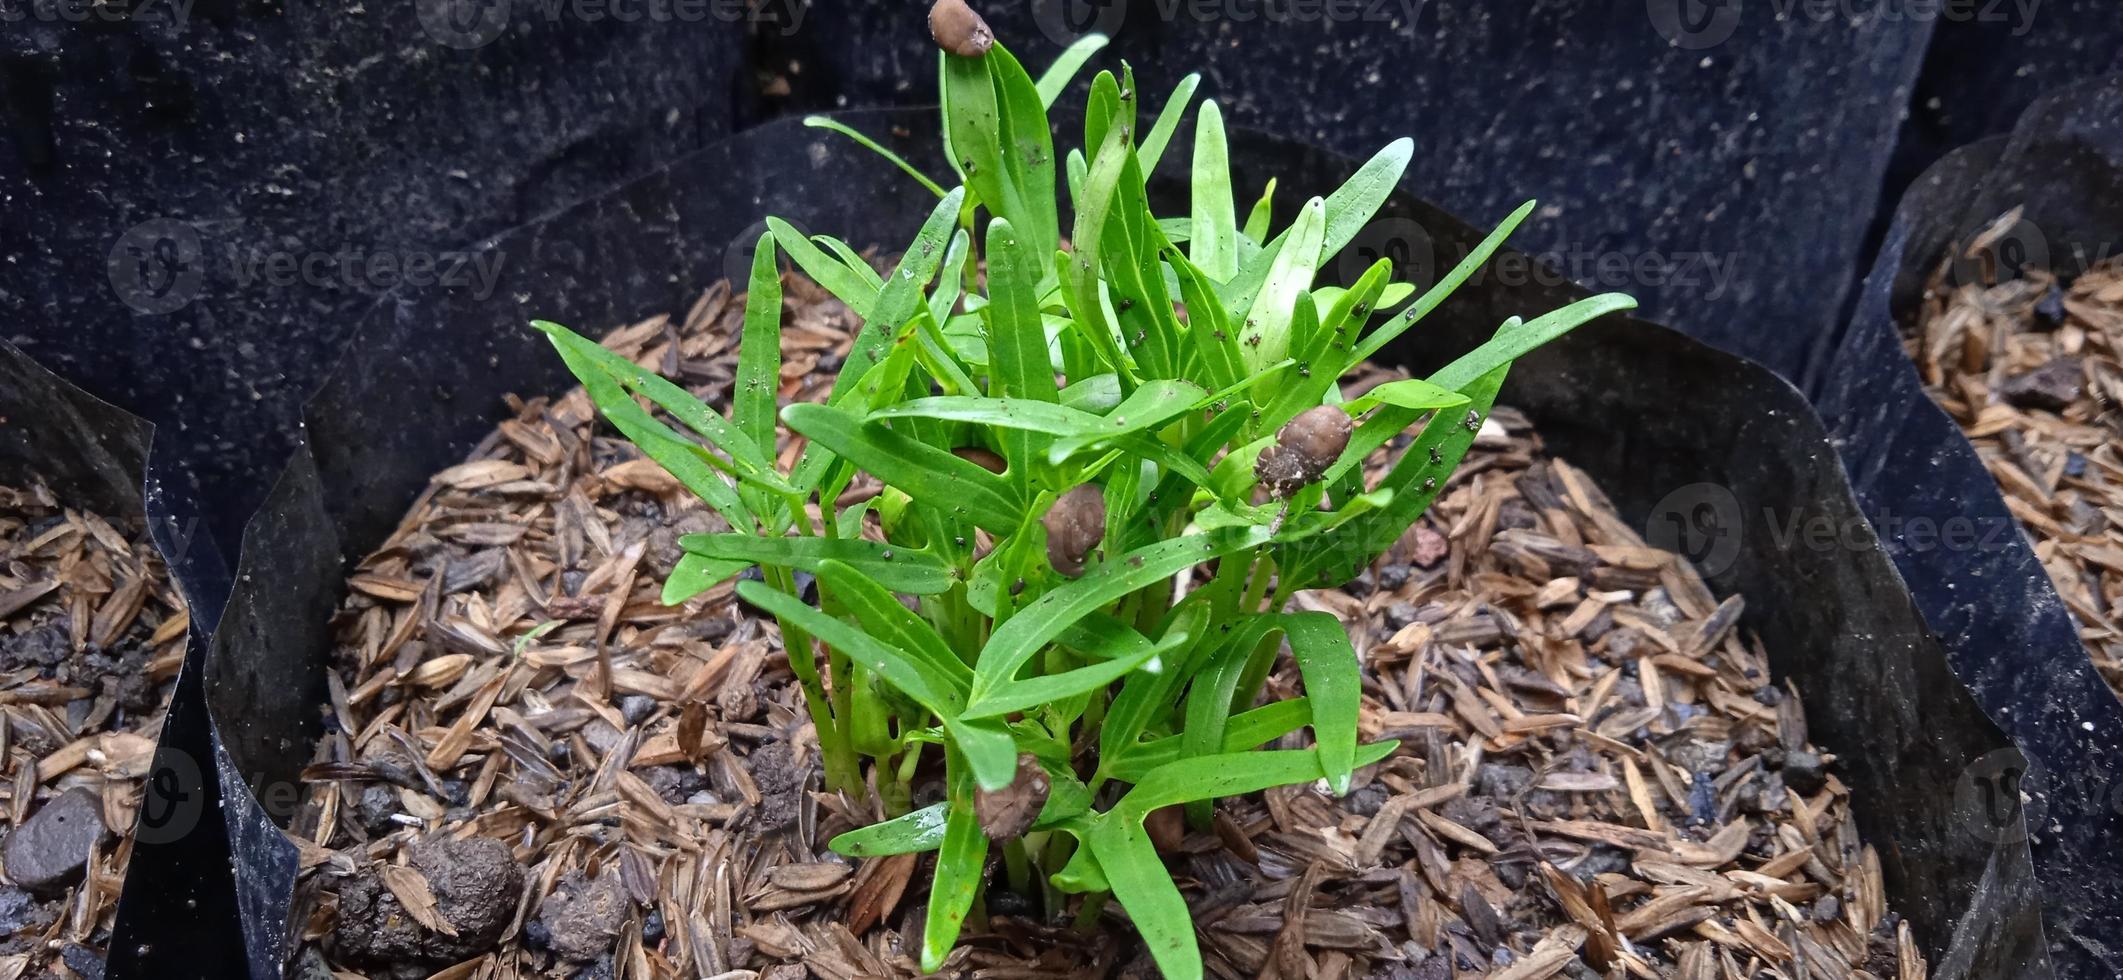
column 1153, row 359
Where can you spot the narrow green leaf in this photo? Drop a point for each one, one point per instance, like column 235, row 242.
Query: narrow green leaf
column 1146, row 409
column 694, row 575
column 1145, row 696
column 901, row 296
column 854, row 260
column 959, row 863
column 834, row 275
column 1152, row 147
column 1257, row 221
column 1244, row 732
column 1039, row 623
column 989, row 749
column 1267, row 321
column 1212, row 242
column 1509, row 345
column 1132, row 252
column 829, row 123
column 684, row 459
column 912, row 675
column 680, row 403
column 1408, row 393
column 1353, row 204
column 1348, row 209
column 910, row 833
column 883, row 616
column 1138, row 878
column 1216, row 345
column 1442, row 290
column 1327, row 662
column 1081, row 875
column 1020, row 362
column 927, row 474
column 1002, row 144
column 759, row 351
column 1211, row 696
column 1058, row 75
column 1086, row 262
column 895, row 567
column 1024, row 694
column 1231, row 774
column 1024, row 415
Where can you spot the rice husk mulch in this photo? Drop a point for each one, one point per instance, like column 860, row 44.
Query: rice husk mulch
column 91, row 636
column 1598, row 778
column 2032, row 370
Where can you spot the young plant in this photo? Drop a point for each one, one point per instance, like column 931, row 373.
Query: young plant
column 1106, row 468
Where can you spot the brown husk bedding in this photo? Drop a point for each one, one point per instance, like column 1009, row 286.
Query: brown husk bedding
column 1598, row 777
column 2032, row 369
column 91, row 636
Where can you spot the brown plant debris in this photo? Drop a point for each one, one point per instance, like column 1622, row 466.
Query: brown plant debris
column 1597, row 778
column 2032, row 369
column 91, row 636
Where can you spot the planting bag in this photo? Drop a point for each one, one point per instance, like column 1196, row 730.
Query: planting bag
column 200, row 198
column 1720, row 160
column 179, row 901
column 1678, row 434
column 2007, row 634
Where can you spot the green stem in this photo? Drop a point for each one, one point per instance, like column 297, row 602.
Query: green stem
column 1087, row 914
column 843, row 771
column 1017, row 866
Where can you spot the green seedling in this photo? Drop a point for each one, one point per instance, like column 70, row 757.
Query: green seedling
column 1108, row 466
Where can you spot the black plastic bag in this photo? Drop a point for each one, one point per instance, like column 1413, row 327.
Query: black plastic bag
column 1658, row 419
column 200, row 197
column 179, row 899
column 2009, row 637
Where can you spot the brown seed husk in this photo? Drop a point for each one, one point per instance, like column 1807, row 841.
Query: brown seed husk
column 1007, row 813
column 959, row 30
column 1303, row 449
column 1075, row 525
column 1318, row 435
